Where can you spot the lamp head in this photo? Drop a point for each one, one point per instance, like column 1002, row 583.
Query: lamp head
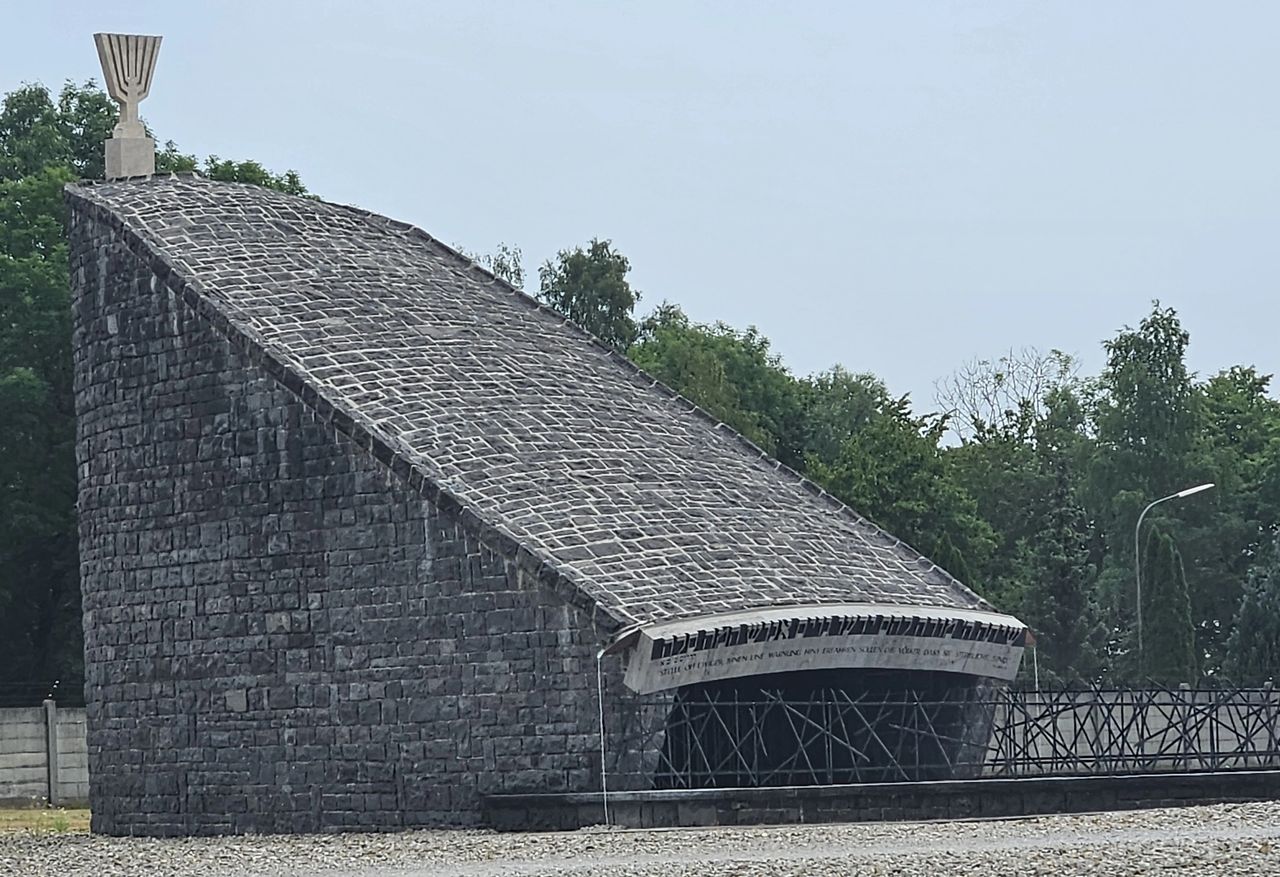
column 1199, row 488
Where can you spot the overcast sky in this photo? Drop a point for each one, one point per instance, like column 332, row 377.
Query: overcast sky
column 894, row 186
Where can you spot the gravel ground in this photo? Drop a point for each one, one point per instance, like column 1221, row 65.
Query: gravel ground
column 1237, row 839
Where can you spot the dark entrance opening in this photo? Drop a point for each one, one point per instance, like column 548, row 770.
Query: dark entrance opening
column 819, row 727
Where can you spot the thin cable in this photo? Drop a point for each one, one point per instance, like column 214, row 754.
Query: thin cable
column 604, row 771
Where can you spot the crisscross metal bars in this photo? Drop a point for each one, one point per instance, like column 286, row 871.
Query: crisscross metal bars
column 1107, row 732
column 711, row 739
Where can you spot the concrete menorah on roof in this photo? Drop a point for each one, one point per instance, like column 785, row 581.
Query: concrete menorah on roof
column 128, row 63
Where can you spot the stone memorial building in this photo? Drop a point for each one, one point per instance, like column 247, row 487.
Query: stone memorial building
column 367, row 534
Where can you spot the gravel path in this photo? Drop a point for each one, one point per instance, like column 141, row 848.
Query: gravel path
column 1238, row 839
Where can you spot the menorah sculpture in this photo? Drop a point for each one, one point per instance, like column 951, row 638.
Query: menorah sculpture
column 128, row 60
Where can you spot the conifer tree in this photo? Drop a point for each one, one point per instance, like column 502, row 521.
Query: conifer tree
column 1169, row 655
column 1253, row 649
column 1059, row 601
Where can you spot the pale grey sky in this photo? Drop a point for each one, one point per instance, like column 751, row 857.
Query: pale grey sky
column 894, row 186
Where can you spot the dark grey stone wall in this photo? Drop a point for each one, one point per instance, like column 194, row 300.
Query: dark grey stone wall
column 281, row 635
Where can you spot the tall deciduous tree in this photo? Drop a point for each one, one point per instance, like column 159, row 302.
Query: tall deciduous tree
column 39, row 629
column 1146, row 420
column 1003, row 396
column 1237, row 446
column 38, row 132
column 590, row 287
column 1012, row 470
column 1147, row 411
column 838, row 405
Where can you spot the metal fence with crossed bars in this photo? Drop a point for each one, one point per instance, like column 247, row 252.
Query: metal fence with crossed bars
column 713, row 739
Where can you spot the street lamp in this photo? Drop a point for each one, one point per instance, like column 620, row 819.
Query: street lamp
column 1137, row 552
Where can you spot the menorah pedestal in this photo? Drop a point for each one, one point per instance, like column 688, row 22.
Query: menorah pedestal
column 130, row 157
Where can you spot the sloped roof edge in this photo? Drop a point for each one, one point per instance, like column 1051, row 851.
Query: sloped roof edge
column 492, row 534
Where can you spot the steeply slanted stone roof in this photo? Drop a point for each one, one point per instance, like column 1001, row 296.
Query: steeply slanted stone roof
column 560, row 452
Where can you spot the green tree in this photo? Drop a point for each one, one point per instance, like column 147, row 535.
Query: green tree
column 44, row 144
column 734, row 375
column 1169, row 650
column 590, row 287
column 1147, row 412
column 888, row 466
column 1253, row 648
column 839, row 404
column 1013, row 465
column 1159, row 431
column 1237, row 445
column 504, row 263
column 171, row 160
column 39, row 628
column 1059, row 603
column 1008, row 487
column 1145, row 418
column 38, row 132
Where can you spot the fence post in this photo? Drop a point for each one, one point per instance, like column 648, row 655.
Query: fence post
column 51, row 748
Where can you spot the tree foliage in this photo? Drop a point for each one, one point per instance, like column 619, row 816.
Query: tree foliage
column 1253, row 648
column 37, row 131
column 590, row 287
column 1034, row 506
column 1004, row 396
column 1145, row 414
column 869, row 450
column 505, row 263
column 733, row 375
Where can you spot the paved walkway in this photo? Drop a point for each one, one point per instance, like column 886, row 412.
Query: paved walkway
column 1223, row 840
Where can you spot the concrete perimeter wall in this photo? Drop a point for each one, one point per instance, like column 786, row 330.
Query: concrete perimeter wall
column 24, row 756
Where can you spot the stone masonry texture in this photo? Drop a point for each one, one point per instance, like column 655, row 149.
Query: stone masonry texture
column 356, row 518
column 559, row 446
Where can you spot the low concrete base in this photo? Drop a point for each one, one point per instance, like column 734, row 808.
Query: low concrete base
column 130, row 157
column 954, row 799
column 42, row 804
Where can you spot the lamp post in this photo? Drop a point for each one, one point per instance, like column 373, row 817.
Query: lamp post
column 1137, row 551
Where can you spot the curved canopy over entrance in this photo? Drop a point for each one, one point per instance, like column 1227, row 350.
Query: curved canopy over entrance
column 822, row 637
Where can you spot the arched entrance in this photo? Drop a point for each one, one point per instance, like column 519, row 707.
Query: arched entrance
column 819, row 727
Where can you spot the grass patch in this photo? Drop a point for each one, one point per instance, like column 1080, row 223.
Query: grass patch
column 45, row 821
